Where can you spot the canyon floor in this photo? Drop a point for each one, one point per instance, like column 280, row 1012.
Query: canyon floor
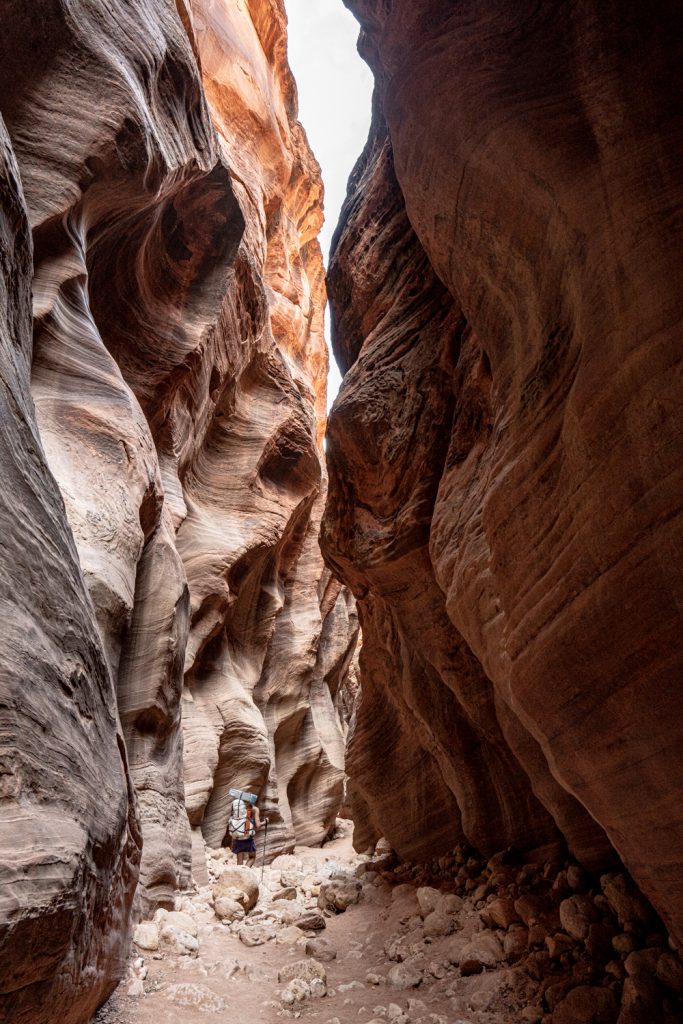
column 230, row 979
column 458, row 941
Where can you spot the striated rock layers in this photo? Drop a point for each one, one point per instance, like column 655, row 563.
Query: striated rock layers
column 505, row 483
column 162, row 483
column 262, row 665
column 69, row 837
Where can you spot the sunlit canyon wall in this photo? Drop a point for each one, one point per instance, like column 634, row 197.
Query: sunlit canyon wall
column 163, row 393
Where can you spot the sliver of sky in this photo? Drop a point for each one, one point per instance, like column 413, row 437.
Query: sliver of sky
column 335, row 94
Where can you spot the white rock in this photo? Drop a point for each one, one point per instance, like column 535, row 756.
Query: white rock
column 350, row 986
column 146, row 935
column 436, row 924
column 395, row 1013
column 176, row 919
column 428, row 899
column 416, row 1006
column 255, row 935
column 318, row 988
column 300, row 989
column 311, row 885
column 177, row 941
column 402, row 892
column 289, row 936
column 403, row 976
column 305, row 970
column 228, row 909
column 484, row 947
column 195, row 995
column 132, row 987
column 239, row 883
column 450, row 903
column 288, row 913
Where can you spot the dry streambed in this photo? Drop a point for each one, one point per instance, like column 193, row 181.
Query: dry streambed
column 331, row 937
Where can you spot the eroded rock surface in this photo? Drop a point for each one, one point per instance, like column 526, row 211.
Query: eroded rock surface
column 177, row 395
column 260, row 669
column 69, row 836
column 504, row 480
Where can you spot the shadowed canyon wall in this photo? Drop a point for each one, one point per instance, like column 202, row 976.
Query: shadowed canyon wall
column 504, row 453
column 162, row 479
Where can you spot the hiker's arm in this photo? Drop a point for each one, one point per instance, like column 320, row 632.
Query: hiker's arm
column 258, row 817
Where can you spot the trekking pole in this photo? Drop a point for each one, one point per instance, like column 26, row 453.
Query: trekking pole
column 265, row 838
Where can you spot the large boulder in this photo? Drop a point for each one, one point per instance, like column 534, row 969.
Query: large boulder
column 576, row 916
column 238, row 883
column 146, row 935
column 305, row 970
column 338, row 896
column 588, row 1005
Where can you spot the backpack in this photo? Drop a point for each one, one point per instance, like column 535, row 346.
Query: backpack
column 241, row 822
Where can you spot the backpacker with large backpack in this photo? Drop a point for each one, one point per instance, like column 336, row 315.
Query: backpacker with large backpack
column 241, row 823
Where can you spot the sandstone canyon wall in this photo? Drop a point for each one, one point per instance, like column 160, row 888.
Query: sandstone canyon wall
column 162, row 480
column 504, row 454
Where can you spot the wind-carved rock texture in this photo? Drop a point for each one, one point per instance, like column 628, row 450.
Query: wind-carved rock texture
column 505, row 483
column 263, row 663
column 162, row 476
column 69, row 840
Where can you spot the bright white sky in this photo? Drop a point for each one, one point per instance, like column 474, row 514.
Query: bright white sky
column 335, row 93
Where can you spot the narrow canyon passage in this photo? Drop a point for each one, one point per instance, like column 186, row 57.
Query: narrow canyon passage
column 432, row 628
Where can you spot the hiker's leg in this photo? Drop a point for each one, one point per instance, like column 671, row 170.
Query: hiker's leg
column 252, row 859
column 240, row 858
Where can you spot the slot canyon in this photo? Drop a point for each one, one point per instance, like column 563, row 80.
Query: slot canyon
column 436, row 631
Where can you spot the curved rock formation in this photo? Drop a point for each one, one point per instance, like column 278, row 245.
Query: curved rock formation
column 258, row 709
column 126, row 276
column 178, row 378
column 504, row 484
column 69, row 837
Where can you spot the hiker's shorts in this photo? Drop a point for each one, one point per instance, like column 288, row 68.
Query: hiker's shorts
column 244, row 845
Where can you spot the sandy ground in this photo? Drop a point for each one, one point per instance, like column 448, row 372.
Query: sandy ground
column 233, row 982
column 334, row 938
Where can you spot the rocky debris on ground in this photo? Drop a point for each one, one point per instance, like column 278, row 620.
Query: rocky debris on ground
column 321, row 949
column 228, row 909
column 199, row 996
column 517, row 939
column 133, row 985
column 176, row 932
column 567, row 948
column 237, row 883
column 305, row 979
column 146, row 935
column 338, row 895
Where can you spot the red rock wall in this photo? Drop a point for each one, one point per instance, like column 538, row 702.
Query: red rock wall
column 504, row 469
column 258, row 657
column 163, row 481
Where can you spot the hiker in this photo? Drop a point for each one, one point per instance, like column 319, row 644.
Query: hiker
column 244, row 821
